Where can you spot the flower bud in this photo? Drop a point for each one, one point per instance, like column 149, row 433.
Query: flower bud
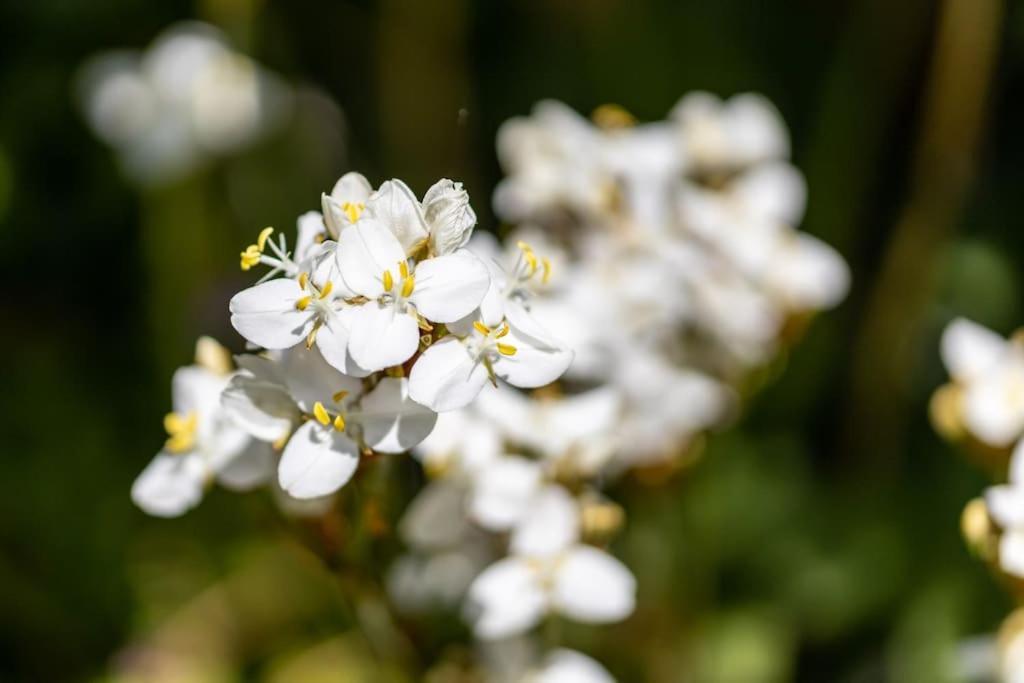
column 449, row 215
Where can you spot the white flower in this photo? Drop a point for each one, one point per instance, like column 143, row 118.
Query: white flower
column 346, row 202
column 723, row 135
column 442, row 223
column 270, row 397
column 453, row 371
column 401, row 296
column 1006, row 506
column 462, row 442
column 991, row 372
column 284, row 312
column 203, row 444
column 581, row 583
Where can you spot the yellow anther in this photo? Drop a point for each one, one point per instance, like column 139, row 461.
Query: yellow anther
column 389, row 282
column 302, row 303
column 250, row 257
column 261, row 241
column 547, row 271
column 326, row 291
column 303, row 279
column 403, row 269
column 612, row 116
column 320, row 413
column 181, row 431
column 481, row 328
column 311, row 337
column 506, row 349
column 353, row 211
column 408, row 284
column 339, row 395
column 339, row 423
column 502, row 332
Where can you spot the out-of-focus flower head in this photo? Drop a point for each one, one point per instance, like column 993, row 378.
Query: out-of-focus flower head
column 187, row 98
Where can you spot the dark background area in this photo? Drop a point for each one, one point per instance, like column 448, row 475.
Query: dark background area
column 818, row 539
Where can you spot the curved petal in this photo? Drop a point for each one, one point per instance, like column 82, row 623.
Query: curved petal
column 1011, row 552
column 968, row 350
column 250, row 468
column 396, row 207
column 507, row 599
column 450, row 287
column 382, row 337
column 391, row 421
column 317, row 461
column 352, row 188
column 364, row 252
column 592, row 586
column 260, row 408
column 531, row 365
column 446, row 376
column 569, row 666
column 551, row 524
column 504, row 492
column 309, row 226
column 171, row 485
column 451, row 218
column 333, row 340
column 310, row 379
column 266, row 314
column 992, row 410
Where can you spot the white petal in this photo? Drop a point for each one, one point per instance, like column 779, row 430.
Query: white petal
column 365, row 251
column 504, row 492
column 1011, row 552
column 196, row 389
column 569, row 666
column 774, row 191
column 248, row 469
column 260, row 408
column 171, row 485
column 392, row 422
column 310, row 379
column 317, row 461
column 382, row 337
column 507, row 599
column 968, row 349
column 446, row 376
column 266, row 314
column 532, row 365
column 757, row 131
column 1016, row 473
column 450, row 217
column 395, row 206
column 592, row 586
column 551, row 524
column 1006, row 505
column 309, row 225
column 993, row 406
column 808, row 274
column 333, row 339
column 351, row 188
column 450, row 287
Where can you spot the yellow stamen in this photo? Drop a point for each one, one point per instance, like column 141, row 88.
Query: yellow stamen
column 388, row 281
column 320, row 413
column 547, row 271
column 181, row 431
column 353, row 211
column 339, row 395
column 311, row 337
column 502, row 333
column 506, row 349
column 407, row 285
column 481, row 328
column 326, row 291
column 302, row 303
column 261, row 241
column 403, row 269
column 612, row 116
column 250, row 257
column 339, row 423
column 303, row 279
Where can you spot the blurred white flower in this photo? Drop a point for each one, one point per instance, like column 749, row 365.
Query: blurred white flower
column 203, row 444
column 187, row 98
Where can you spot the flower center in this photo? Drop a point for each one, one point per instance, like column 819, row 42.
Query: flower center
column 490, row 339
column 353, row 210
column 335, row 418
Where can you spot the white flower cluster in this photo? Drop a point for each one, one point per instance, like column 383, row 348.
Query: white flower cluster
column 187, row 98
column 983, row 406
column 380, row 318
column 680, row 267
column 664, row 254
